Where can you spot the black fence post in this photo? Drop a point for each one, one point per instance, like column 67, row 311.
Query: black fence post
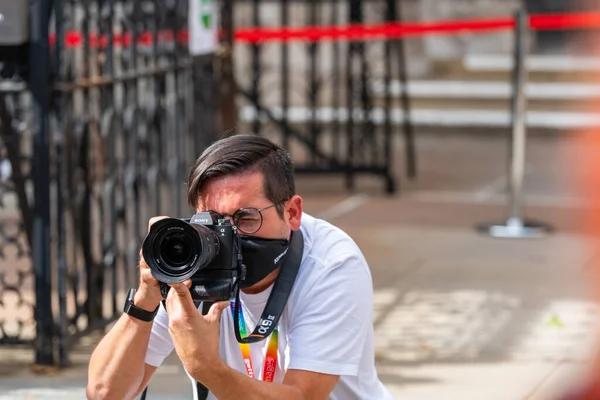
column 256, row 70
column 226, row 81
column 313, row 80
column 285, row 75
column 336, row 86
column 355, row 50
column 39, row 82
column 395, row 15
column 206, row 109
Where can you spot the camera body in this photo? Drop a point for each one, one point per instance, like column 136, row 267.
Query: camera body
column 204, row 248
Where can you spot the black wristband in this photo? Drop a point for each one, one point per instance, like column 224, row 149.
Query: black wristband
column 137, row 312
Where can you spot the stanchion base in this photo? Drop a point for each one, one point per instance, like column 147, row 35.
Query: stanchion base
column 515, row 228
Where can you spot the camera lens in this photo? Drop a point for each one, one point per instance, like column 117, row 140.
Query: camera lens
column 176, row 249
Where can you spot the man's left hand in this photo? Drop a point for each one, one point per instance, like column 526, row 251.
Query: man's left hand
column 196, row 336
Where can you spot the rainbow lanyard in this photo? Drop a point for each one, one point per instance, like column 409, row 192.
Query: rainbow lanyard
column 270, row 364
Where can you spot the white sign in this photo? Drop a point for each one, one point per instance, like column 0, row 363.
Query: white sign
column 202, row 25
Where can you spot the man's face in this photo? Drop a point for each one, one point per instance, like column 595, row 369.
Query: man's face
column 228, row 194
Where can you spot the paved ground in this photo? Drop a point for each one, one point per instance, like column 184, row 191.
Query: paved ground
column 458, row 315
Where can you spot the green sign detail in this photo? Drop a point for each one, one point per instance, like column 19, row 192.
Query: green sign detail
column 206, row 20
column 206, row 13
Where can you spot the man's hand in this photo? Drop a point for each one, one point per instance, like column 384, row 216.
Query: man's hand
column 195, row 336
column 148, row 296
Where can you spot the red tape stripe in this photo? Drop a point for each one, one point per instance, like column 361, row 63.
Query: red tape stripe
column 371, row 32
column 75, row 39
column 589, row 20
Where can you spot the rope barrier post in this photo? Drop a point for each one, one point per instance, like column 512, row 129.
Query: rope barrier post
column 515, row 226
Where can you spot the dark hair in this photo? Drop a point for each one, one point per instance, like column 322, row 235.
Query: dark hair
column 245, row 153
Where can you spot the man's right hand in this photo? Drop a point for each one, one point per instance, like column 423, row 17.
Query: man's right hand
column 148, row 295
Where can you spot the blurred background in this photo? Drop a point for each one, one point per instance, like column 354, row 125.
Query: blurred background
column 454, row 140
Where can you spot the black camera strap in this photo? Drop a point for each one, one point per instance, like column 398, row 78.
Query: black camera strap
column 278, row 298
column 275, row 304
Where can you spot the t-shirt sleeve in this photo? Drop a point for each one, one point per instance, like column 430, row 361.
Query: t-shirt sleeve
column 331, row 324
column 161, row 344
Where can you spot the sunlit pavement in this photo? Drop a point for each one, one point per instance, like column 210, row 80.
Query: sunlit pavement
column 458, row 315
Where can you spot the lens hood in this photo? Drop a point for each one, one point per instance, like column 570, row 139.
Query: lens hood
column 174, row 250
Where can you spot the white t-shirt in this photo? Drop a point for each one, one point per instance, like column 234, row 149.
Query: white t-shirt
column 326, row 326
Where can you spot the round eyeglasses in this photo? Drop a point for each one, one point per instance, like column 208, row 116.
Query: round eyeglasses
column 249, row 220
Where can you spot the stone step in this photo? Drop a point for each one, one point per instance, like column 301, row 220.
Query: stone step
column 499, row 67
column 487, row 90
column 534, row 63
column 440, row 117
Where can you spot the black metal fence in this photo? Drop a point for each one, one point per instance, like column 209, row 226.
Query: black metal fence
column 103, row 111
column 316, row 97
column 98, row 129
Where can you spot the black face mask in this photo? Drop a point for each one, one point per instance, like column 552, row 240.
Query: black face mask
column 261, row 257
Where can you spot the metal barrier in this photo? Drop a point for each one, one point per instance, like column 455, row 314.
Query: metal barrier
column 325, row 111
column 99, row 135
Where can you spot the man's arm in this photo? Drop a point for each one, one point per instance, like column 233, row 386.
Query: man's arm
column 117, row 368
column 226, row 383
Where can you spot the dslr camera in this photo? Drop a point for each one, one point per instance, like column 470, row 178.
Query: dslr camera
column 204, row 248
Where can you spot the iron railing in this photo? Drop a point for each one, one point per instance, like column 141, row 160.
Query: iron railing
column 107, row 111
column 316, row 98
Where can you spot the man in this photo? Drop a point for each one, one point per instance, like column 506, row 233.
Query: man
column 323, row 348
